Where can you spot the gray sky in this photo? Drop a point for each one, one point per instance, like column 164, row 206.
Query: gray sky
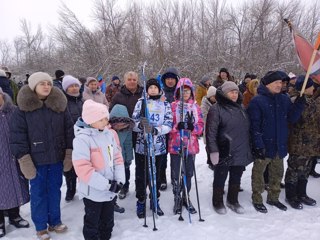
column 44, row 12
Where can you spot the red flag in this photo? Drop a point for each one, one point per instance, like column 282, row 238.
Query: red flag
column 304, row 51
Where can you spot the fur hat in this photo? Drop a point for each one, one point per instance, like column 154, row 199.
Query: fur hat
column 59, row 74
column 153, row 81
column 271, row 77
column 93, row 112
column 115, row 78
column 37, row 77
column 229, row 86
column 90, row 79
column 300, row 80
column 69, row 80
column 2, row 73
column 211, row 91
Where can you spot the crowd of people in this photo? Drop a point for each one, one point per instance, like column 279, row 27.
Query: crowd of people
column 90, row 133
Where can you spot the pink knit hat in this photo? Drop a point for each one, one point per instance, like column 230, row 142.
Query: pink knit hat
column 93, row 112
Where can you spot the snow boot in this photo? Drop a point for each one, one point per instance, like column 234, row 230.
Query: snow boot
column 177, row 207
column 123, row 193
column 19, row 222
column 141, row 209
column 217, row 201
column 188, row 205
column 117, row 208
column 277, row 204
column 260, row 207
column 291, row 196
column 232, row 199
column 159, row 211
column 302, row 193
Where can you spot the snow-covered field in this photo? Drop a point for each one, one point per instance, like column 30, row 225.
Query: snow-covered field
column 276, row 224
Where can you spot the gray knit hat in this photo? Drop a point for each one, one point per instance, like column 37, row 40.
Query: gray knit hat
column 229, row 86
column 211, row 91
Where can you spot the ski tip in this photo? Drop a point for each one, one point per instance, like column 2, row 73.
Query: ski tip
column 155, row 229
column 145, row 225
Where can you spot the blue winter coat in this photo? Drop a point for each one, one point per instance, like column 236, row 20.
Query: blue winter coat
column 269, row 116
column 14, row 189
column 5, row 85
column 119, row 113
column 38, row 127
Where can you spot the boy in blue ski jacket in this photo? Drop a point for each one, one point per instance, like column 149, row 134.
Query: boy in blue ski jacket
column 158, row 124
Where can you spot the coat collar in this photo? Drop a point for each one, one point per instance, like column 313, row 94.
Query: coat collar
column 28, row 100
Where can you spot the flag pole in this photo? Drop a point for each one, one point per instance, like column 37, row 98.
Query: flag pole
column 314, row 53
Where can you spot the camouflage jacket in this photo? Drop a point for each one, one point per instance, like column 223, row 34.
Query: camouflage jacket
column 304, row 136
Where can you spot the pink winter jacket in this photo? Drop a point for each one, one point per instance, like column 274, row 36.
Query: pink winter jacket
column 189, row 106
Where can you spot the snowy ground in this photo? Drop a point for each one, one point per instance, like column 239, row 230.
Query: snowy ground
column 276, row 224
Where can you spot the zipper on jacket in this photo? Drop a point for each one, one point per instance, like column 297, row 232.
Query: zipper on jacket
column 36, row 143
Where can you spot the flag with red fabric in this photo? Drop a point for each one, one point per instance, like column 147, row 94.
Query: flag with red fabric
column 304, row 51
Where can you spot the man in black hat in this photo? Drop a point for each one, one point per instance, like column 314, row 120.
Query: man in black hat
column 58, row 81
column 269, row 113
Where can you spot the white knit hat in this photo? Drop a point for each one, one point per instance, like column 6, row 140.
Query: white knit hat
column 93, row 112
column 37, row 77
column 69, row 80
column 211, row 91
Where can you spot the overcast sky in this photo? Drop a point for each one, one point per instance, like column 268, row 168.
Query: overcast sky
column 44, row 12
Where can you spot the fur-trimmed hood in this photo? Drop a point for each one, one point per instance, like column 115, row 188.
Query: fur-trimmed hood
column 28, row 100
column 7, row 105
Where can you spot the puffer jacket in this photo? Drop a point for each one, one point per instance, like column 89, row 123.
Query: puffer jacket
column 97, row 160
column 227, row 131
column 192, row 107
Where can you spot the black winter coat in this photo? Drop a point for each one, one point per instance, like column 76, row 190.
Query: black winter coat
column 5, row 85
column 126, row 98
column 73, row 112
column 38, row 127
column 227, row 131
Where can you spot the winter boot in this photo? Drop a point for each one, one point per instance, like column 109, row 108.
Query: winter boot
column 313, row 172
column 123, row 193
column 159, row 211
column 232, row 199
column 291, row 196
column 163, row 179
column 117, row 208
column 60, row 228
column 177, row 208
column 277, row 204
column 302, row 193
column 188, row 205
column 19, row 222
column 2, row 230
column 71, row 182
column 141, row 209
column 260, row 207
column 217, row 201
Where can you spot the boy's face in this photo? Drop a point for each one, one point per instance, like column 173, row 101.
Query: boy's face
column 153, row 90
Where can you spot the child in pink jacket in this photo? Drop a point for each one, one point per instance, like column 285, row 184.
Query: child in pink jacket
column 192, row 127
column 98, row 162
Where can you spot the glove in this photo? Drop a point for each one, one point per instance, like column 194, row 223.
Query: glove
column 148, row 127
column 185, row 126
column 258, row 153
column 301, row 100
column 67, row 162
column 27, row 167
column 115, row 186
column 214, row 158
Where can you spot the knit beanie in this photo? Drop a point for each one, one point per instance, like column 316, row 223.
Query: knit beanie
column 300, row 80
column 271, row 77
column 229, row 86
column 90, row 79
column 2, row 73
column 93, row 112
column 69, row 80
column 37, row 77
column 224, row 70
column 153, row 81
column 59, row 74
column 211, row 91
column 115, row 78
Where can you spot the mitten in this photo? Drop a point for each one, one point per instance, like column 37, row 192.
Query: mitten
column 182, row 126
column 67, row 163
column 27, row 167
column 190, row 126
column 214, row 158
